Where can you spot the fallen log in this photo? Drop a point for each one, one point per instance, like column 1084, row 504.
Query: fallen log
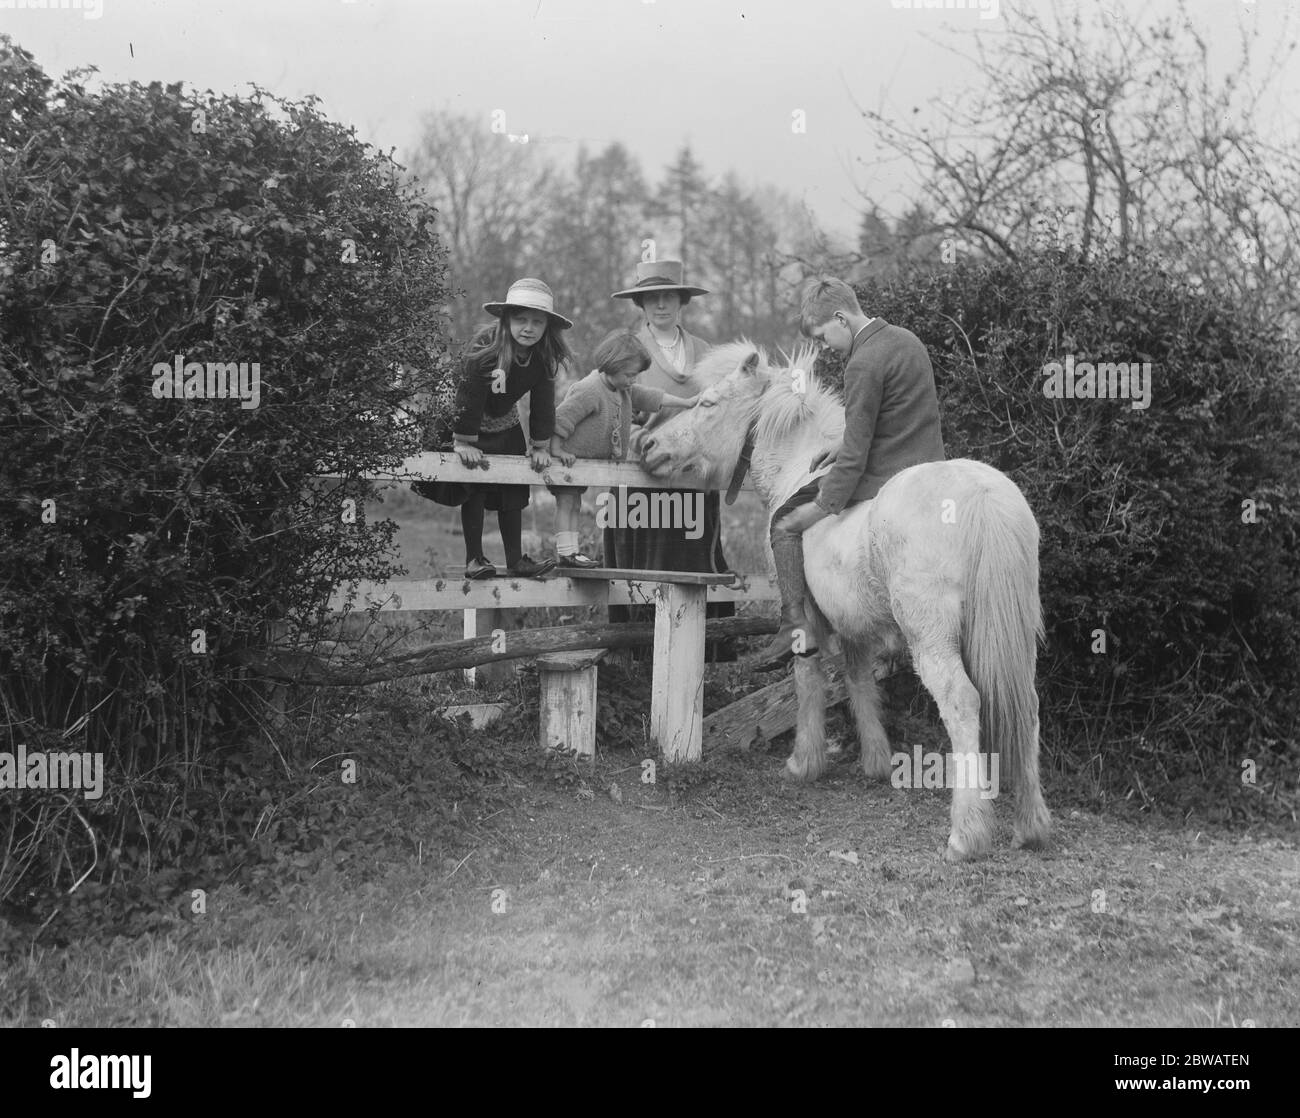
column 772, row 711
column 306, row 668
column 767, row 713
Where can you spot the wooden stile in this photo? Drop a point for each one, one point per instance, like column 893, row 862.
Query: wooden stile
column 567, row 716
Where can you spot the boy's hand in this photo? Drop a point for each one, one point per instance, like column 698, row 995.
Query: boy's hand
column 558, row 451
column 541, row 457
column 802, row 518
column 823, row 458
column 469, row 455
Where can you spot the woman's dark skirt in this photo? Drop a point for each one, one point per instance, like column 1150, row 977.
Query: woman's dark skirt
column 669, row 549
column 496, row 498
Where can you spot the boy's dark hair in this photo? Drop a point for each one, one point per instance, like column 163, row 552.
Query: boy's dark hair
column 621, row 351
column 821, row 297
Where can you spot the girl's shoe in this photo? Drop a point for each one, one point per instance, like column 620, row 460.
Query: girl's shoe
column 480, row 568
column 582, row 562
column 528, row 567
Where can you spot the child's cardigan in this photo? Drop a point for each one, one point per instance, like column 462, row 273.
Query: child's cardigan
column 585, row 420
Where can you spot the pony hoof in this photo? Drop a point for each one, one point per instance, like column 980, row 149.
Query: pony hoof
column 1033, row 833
column 801, row 771
column 1032, row 840
column 877, row 769
column 954, row 854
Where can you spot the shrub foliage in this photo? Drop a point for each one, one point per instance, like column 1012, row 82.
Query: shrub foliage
column 144, row 541
column 1170, row 585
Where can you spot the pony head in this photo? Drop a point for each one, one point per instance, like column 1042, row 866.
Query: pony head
column 704, row 443
column 781, row 413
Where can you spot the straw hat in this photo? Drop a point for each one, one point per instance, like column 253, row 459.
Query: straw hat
column 531, row 294
column 658, row 275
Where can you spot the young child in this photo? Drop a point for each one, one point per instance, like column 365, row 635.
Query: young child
column 518, row 356
column 595, row 421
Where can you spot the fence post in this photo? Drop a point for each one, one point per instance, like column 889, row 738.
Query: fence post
column 480, row 623
column 677, row 690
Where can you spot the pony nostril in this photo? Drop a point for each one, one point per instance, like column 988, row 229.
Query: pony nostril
column 648, row 445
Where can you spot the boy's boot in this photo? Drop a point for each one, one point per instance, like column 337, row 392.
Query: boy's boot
column 788, row 551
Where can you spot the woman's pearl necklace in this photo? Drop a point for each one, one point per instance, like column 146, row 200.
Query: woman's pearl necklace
column 677, row 340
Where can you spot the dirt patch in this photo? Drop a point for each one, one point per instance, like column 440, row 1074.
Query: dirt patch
column 831, row 905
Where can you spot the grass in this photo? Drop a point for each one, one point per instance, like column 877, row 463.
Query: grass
column 720, row 894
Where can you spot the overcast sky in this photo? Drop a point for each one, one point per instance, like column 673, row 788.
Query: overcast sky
column 724, row 75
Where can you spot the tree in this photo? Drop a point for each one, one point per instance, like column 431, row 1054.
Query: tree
column 598, row 221
column 681, row 197
column 491, row 193
column 1107, row 132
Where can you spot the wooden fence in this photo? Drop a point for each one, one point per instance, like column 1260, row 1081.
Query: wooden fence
column 679, row 634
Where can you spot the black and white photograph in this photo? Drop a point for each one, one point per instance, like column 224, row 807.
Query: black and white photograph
column 651, row 514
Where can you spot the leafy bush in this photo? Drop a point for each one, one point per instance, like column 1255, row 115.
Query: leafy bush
column 145, row 541
column 1147, row 535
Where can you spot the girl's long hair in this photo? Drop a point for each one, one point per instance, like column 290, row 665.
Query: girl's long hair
column 492, row 346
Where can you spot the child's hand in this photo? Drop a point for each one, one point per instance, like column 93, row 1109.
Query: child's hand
column 823, row 458
column 563, row 455
column 469, row 455
column 541, row 457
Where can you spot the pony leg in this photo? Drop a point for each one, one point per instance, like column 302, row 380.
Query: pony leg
column 864, row 698
column 808, row 761
column 959, row 705
column 1033, row 821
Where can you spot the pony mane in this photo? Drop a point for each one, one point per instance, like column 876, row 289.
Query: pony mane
column 781, row 408
column 724, row 359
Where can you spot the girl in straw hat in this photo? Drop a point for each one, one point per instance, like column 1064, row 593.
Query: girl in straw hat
column 518, row 356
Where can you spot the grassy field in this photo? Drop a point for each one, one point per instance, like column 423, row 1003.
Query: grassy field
column 582, row 896
column 465, row 879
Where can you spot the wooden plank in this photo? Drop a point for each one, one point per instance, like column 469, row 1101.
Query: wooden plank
column 627, row 574
column 775, row 709
column 422, row 594
column 481, row 715
column 677, row 687
column 513, row 469
column 570, row 661
column 769, row 712
column 293, row 666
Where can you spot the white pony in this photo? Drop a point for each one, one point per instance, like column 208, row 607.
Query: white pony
column 944, row 562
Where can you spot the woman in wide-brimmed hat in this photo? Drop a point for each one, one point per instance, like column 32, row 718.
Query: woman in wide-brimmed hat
column 660, row 292
column 526, row 345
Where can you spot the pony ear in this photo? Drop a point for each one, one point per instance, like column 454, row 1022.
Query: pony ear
column 750, row 365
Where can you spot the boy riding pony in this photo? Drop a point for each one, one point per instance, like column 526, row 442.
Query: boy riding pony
column 891, row 421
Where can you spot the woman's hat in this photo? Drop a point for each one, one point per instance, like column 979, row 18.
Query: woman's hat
column 531, row 294
column 659, row 275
